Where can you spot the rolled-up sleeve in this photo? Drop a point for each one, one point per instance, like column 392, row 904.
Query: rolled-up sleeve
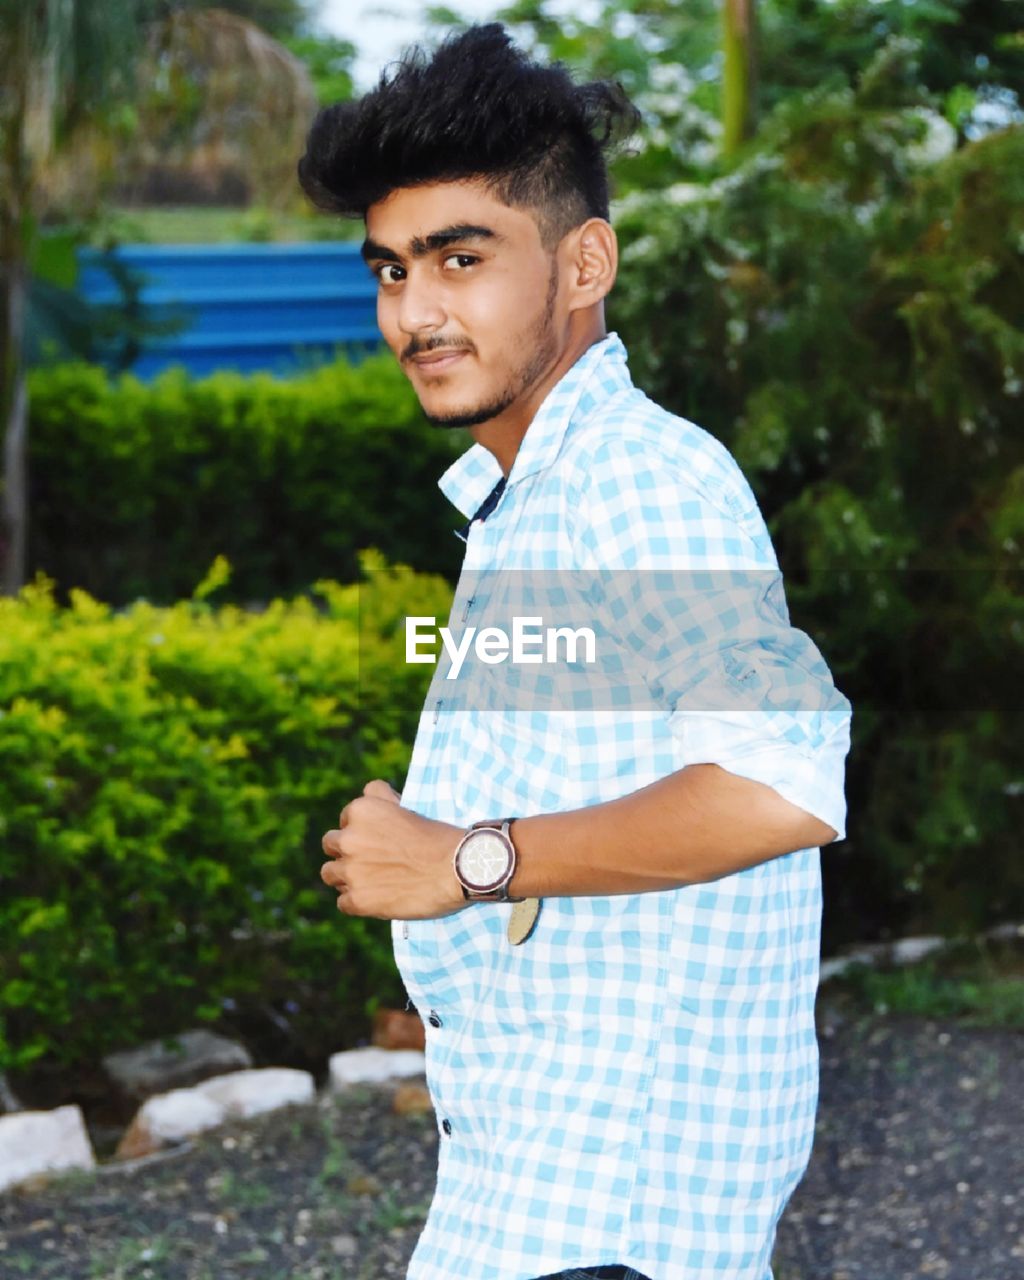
column 688, row 584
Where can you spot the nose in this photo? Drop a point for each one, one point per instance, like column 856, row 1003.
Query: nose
column 420, row 309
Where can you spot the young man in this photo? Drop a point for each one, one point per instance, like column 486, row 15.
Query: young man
column 623, row 1065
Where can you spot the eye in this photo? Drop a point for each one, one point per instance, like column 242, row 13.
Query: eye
column 382, row 273
column 463, row 260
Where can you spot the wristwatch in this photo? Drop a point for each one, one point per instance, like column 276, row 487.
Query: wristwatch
column 485, row 861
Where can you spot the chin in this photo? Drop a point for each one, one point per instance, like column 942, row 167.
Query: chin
column 454, row 415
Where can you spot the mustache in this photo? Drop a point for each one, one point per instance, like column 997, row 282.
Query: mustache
column 420, row 346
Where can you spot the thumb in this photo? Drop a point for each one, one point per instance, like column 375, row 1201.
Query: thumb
column 381, row 790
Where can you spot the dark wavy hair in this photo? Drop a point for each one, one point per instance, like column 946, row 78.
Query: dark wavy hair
column 478, row 108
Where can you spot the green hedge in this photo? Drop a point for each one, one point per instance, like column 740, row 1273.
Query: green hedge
column 168, row 774
column 135, row 487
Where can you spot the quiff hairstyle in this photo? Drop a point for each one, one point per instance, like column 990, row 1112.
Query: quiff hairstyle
column 479, row 108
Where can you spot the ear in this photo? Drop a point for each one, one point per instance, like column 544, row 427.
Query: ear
column 591, row 262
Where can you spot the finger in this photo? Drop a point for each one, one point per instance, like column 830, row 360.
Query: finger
column 330, row 874
column 331, row 844
column 382, row 790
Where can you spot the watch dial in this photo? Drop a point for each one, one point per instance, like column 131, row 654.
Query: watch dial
column 484, row 860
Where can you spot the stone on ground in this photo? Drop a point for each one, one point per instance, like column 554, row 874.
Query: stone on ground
column 397, row 1029
column 153, row 1068
column 35, row 1142
column 412, row 1100
column 372, row 1066
column 169, row 1118
column 249, row 1093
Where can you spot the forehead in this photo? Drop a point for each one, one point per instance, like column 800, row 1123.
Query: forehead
column 411, row 213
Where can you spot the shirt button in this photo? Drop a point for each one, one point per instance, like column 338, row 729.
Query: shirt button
column 434, row 1018
column 446, row 1125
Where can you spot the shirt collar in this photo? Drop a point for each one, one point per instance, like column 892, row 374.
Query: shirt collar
column 473, row 475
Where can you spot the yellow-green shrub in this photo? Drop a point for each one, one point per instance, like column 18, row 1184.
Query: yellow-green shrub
column 168, row 774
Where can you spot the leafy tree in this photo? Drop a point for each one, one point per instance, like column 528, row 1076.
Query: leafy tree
column 58, row 62
column 329, row 61
column 847, row 314
column 283, row 19
column 70, row 71
column 670, row 58
column 970, row 52
column 219, row 103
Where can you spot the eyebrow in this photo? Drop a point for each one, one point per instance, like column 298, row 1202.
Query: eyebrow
column 420, row 246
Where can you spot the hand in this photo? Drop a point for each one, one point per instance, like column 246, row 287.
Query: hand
column 389, row 862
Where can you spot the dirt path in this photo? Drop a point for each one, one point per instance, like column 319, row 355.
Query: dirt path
column 918, row 1170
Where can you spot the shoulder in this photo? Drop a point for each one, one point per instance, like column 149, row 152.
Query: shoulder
column 634, row 463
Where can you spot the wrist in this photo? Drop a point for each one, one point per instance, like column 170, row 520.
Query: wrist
column 437, row 860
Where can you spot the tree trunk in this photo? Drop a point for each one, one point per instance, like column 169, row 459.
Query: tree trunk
column 14, row 531
column 739, row 73
column 14, row 223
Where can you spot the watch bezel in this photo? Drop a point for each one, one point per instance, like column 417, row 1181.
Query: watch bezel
column 492, row 889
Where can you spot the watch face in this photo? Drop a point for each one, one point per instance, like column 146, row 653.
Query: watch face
column 484, row 859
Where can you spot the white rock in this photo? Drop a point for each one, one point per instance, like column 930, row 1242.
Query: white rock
column 910, row 950
column 868, row 955
column 905, row 951
column 248, row 1093
column 832, row 969
column 169, row 1117
column 1007, row 931
column 371, row 1066
column 33, row 1142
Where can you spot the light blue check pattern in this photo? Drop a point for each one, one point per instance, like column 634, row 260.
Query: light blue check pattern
column 637, row 1082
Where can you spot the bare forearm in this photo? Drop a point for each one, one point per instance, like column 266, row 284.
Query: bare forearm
column 695, row 825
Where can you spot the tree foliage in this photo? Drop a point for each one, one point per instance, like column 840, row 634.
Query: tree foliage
column 846, row 312
column 221, row 112
column 329, row 61
column 282, row 19
column 668, row 56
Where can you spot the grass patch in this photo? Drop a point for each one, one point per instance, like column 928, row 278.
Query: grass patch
column 980, row 984
column 135, row 1257
column 337, row 1163
column 20, row 1264
column 217, row 225
column 389, row 1215
column 241, row 1192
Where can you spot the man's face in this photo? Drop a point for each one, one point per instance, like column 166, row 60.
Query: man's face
column 467, row 300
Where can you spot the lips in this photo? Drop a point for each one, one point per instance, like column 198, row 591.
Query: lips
column 438, row 361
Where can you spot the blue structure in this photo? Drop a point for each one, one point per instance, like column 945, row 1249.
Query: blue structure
column 272, row 307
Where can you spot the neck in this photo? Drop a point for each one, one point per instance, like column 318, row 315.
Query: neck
column 503, row 435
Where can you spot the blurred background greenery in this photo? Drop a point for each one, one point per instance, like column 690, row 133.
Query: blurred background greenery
column 822, row 229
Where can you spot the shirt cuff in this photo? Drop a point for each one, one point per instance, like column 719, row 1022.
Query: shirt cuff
column 813, row 780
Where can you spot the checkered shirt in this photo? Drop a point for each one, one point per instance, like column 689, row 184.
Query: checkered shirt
column 637, row 1082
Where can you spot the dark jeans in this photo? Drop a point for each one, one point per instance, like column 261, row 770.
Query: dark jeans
column 614, row 1271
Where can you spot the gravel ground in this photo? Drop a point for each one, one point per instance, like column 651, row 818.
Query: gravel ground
column 918, row 1162
column 918, row 1170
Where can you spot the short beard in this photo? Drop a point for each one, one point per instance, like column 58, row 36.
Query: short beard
column 542, row 339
